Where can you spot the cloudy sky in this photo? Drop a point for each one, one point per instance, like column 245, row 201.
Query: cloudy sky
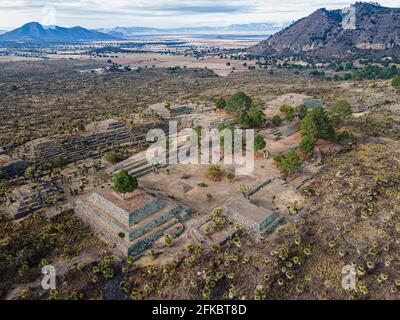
column 160, row 13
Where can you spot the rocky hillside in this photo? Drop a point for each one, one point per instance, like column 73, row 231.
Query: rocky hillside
column 362, row 29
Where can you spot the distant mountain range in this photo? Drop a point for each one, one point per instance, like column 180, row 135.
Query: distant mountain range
column 35, row 32
column 3, row 31
column 259, row 28
column 362, row 29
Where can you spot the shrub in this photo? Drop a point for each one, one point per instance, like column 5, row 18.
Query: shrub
column 289, row 162
column 112, row 157
column 214, row 172
column 396, row 83
column 259, row 142
column 276, row 120
column 290, row 114
column 59, row 162
column 168, row 240
column 230, row 176
column 284, row 108
column 343, row 136
column 220, row 103
column 121, row 235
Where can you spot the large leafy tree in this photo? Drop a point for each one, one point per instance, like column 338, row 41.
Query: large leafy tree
column 317, row 125
column 124, row 183
column 239, row 103
column 247, row 113
column 252, row 118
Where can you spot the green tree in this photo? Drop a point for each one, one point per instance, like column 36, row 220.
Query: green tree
column 289, row 162
column 276, row 120
column 301, row 111
column 259, row 142
column 239, row 103
column 247, row 113
column 288, row 111
column 307, row 144
column 340, row 111
column 124, row 183
column 220, row 103
column 252, row 118
column 317, row 125
column 290, row 114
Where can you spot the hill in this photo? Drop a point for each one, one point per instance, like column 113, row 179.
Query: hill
column 362, row 29
column 257, row 28
column 35, row 32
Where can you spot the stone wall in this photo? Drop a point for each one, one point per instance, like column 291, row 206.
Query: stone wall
column 109, row 207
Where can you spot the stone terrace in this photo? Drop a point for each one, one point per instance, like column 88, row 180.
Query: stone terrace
column 99, row 137
column 28, row 199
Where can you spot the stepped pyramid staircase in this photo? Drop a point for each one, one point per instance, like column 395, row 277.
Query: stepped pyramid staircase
column 134, row 224
column 142, row 166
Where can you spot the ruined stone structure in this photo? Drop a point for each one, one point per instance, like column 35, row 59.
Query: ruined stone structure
column 276, row 134
column 134, row 224
column 11, row 167
column 173, row 111
column 255, row 219
column 43, row 149
column 28, row 199
column 99, row 137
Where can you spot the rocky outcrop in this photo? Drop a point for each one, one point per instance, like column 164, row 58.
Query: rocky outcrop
column 362, row 29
